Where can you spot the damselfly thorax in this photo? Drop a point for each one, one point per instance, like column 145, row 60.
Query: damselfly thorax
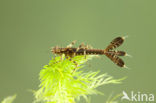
column 69, row 51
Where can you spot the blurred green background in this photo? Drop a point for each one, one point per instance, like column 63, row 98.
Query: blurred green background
column 29, row 28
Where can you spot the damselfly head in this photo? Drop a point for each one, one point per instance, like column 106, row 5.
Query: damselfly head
column 55, row 50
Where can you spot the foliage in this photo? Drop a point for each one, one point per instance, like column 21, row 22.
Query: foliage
column 113, row 99
column 9, row 99
column 64, row 81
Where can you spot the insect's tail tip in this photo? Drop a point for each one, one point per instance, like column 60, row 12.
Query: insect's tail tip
column 124, row 37
column 126, row 67
column 128, row 55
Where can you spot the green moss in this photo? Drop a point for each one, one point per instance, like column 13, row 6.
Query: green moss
column 62, row 81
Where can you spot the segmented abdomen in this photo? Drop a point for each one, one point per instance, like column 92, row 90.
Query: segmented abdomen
column 81, row 51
